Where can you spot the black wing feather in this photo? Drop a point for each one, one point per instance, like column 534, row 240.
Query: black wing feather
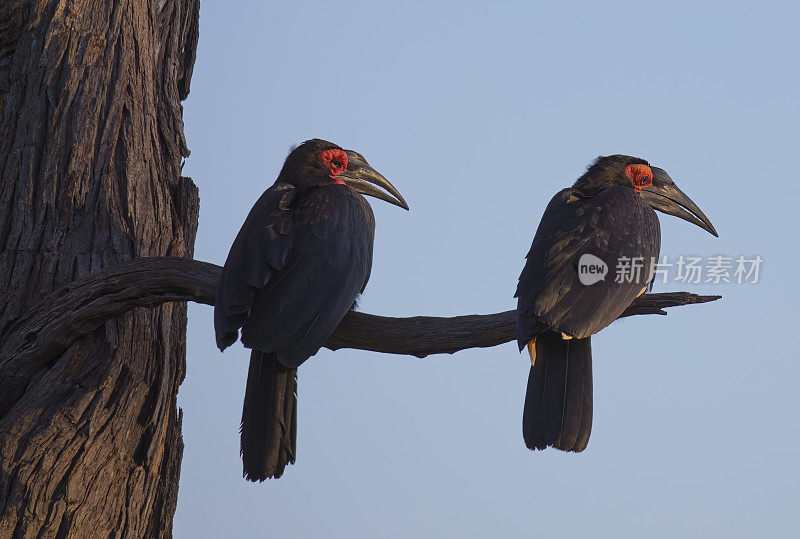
column 615, row 223
column 260, row 250
column 304, row 265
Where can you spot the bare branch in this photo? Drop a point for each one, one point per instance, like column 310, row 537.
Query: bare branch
column 60, row 319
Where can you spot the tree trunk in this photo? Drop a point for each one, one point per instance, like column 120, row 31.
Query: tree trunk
column 91, row 142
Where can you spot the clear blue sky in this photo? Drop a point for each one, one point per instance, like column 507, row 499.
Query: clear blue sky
column 479, row 113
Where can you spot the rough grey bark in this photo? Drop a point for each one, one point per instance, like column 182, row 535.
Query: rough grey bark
column 91, row 142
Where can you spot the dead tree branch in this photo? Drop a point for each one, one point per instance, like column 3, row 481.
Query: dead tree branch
column 76, row 310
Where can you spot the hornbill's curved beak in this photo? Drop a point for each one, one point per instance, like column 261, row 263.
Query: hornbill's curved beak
column 364, row 179
column 663, row 195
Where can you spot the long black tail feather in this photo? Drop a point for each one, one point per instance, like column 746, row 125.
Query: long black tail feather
column 269, row 418
column 558, row 403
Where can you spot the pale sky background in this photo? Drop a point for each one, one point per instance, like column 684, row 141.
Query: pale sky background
column 479, row 113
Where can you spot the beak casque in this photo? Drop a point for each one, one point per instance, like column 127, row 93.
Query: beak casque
column 368, row 181
column 663, row 195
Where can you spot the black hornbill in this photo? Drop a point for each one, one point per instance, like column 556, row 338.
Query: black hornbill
column 300, row 260
column 608, row 214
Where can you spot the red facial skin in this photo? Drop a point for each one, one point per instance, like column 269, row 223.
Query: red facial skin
column 640, row 175
column 336, row 161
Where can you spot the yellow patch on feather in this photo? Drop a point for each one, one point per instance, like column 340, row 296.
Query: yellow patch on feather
column 532, row 350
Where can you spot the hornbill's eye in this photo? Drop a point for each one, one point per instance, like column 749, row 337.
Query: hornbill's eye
column 335, row 159
column 641, row 176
